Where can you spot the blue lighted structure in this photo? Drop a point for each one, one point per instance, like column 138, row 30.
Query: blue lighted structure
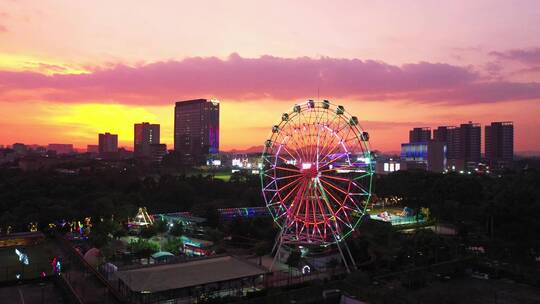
column 428, row 155
column 228, row 214
column 417, row 151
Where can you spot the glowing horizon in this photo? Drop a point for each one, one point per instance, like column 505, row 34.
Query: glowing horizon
column 69, row 71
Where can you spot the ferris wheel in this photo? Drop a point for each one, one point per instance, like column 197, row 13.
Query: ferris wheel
column 317, row 174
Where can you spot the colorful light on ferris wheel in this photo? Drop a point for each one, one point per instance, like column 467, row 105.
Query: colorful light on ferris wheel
column 317, row 173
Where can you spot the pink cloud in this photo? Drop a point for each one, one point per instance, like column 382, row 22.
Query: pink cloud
column 533, row 70
column 528, row 56
column 239, row 78
column 3, row 29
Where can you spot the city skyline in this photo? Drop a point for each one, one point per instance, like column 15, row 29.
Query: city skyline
column 412, row 138
column 120, row 73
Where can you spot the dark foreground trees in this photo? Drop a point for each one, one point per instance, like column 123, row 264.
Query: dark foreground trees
column 48, row 196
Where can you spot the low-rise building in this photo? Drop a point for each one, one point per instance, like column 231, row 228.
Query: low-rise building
column 188, row 282
column 430, row 155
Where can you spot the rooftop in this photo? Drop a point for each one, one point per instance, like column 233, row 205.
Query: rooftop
column 188, row 274
column 191, row 101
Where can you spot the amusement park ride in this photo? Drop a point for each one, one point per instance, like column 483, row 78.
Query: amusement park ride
column 317, row 177
column 141, row 220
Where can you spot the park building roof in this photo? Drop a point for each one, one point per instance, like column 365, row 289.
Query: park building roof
column 188, row 274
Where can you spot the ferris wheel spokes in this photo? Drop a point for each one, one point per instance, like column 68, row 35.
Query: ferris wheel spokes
column 316, row 180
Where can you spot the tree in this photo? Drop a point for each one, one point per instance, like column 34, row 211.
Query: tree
column 143, row 247
column 294, row 258
column 102, row 232
column 99, row 240
column 212, row 217
column 120, row 232
column 173, row 246
column 160, row 226
column 148, row 232
column 214, row 235
column 177, row 229
column 261, row 248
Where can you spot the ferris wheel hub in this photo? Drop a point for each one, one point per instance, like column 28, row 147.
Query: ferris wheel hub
column 309, row 170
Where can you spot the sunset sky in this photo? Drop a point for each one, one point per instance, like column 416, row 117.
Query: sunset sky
column 72, row 69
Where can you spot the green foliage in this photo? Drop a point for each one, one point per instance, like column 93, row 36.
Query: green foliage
column 262, row 248
column 214, row 235
column 173, row 246
column 143, row 247
column 251, row 229
column 120, row 232
column 98, row 240
column 503, row 209
column 425, row 212
column 294, row 258
column 507, row 204
column 102, row 191
column 160, row 226
column 177, row 229
column 103, row 231
column 148, row 232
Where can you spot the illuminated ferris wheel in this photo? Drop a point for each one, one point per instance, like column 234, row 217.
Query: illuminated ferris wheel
column 317, row 174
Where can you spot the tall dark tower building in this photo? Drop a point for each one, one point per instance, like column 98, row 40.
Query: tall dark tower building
column 196, row 128
column 108, row 143
column 441, row 133
column 499, row 143
column 450, row 136
column 470, row 138
column 419, row 135
column 146, row 134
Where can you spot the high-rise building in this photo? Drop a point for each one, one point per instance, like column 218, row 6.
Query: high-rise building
column 146, row 134
column 108, row 143
column 462, row 145
column 419, row 135
column 470, row 138
column 450, row 136
column 441, row 133
column 499, row 143
column 196, row 128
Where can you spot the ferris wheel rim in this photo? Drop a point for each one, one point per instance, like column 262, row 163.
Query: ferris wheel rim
column 325, row 219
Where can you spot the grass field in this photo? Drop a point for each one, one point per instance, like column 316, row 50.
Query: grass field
column 224, row 176
column 39, row 256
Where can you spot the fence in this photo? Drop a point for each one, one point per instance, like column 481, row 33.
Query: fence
column 85, row 280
